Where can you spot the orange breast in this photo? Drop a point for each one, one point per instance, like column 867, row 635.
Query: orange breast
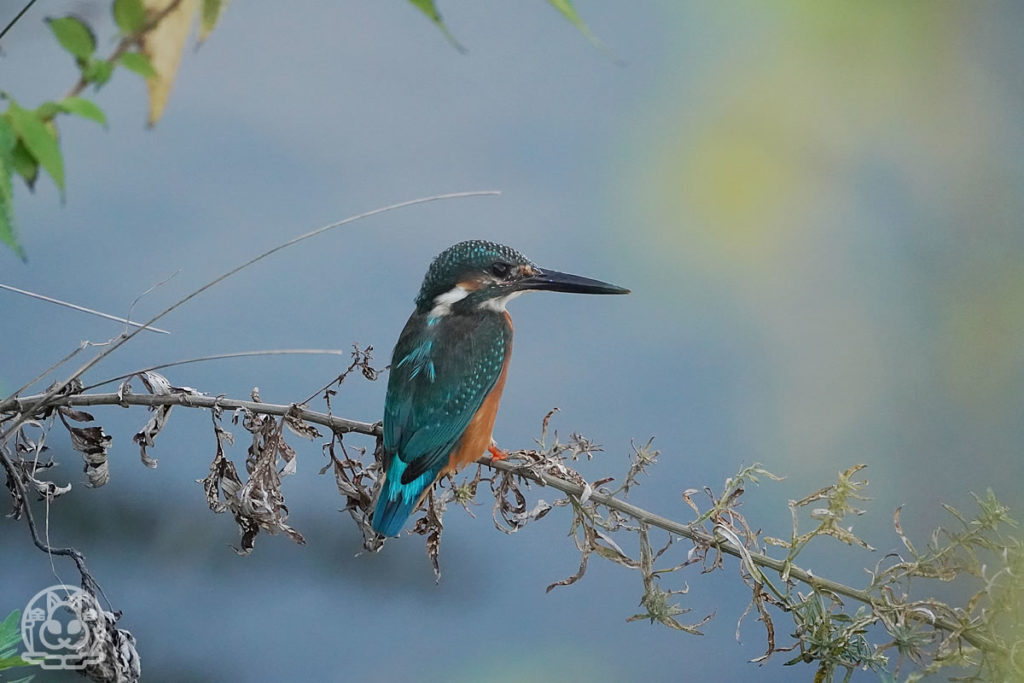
column 477, row 437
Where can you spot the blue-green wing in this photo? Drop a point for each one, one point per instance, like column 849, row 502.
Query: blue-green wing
column 440, row 375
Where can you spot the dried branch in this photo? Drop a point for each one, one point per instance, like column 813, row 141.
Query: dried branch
column 82, row 309
column 338, row 424
column 578, row 490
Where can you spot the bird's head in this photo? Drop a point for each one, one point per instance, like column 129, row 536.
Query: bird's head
column 483, row 275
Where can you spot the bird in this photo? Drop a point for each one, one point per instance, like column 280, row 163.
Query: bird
column 449, row 366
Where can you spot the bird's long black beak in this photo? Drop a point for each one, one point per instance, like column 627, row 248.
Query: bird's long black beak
column 555, row 281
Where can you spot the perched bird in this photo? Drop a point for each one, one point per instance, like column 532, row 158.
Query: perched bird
column 449, row 365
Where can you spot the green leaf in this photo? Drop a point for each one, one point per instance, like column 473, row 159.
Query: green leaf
column 130, row 16
column 10, row 633
column 12, row 662
column 139, row 63
column 8, row 138
column 74, row 36
column 98, row 71
column 25, row 164
column 212, row 9
column 41, row 140
column 570, row 13
column 87, row 109
column 47, row 110
column 10, row 641
column 428, row 8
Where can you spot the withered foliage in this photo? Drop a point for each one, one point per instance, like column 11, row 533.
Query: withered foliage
column 980, row 640
column 30, row 459
column 257, row 503
column 120, row 660
column 158, row 385
column 357, row 482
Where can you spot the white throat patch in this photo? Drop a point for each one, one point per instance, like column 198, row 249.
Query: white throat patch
column 443, row 302
column 500, row 302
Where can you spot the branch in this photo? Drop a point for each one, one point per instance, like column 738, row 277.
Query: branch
column 337, row 424
column 342, row 426
column 126, row 43
column 19, row 486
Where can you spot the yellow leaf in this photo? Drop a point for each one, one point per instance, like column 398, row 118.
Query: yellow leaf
column 163, row 46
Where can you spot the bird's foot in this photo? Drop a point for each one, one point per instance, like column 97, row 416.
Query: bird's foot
column 496, row 453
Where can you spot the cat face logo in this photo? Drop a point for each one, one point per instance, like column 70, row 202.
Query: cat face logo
column 56, row 628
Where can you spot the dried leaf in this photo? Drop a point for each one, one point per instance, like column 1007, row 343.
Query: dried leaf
column 120, row 660
column 158, row 385
column 47, row 489
column 257, row 503
column 899, row 531
column 584, row 558
column 123, row 390
column 76, row 415
column 28, row 465
column 93, row 443
column 356, row 482
column 163, row 46
column 431, row 526
column 611, row 551
column 688, row 499
column 300, row 427
column 510, row 513
column 587, row 492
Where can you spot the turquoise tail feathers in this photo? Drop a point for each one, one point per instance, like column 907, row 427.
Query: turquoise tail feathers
column 390, row 514
column 397, row 501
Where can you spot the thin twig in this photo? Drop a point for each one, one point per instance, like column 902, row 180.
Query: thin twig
column 223, row 356
column 18, row 16
column 13, row 476
column 125, row 43
column 157, row 285
column 48, row 370
column 83, row 309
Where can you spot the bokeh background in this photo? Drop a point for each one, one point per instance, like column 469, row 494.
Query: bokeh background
column 818, row 208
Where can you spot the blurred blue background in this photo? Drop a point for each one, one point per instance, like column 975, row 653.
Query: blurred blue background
column 817, row 206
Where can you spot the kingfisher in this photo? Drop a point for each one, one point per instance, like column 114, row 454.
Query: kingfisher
column 449, row 366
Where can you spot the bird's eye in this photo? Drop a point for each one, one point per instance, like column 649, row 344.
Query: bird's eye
column 500, row 269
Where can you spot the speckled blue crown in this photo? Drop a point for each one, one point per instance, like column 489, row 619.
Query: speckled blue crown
column 450, row 266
